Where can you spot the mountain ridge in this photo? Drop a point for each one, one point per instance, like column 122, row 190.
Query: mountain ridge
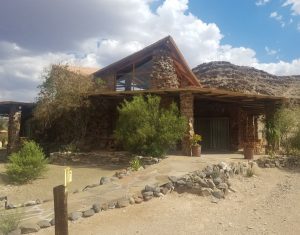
column 249, row 80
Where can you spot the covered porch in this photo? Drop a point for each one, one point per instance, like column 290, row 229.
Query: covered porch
column 227, row 121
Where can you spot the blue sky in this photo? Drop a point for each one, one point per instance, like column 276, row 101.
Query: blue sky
column 244, row 23
column 94, row 33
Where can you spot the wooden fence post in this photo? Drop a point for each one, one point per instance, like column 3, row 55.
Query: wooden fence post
column 61, row 210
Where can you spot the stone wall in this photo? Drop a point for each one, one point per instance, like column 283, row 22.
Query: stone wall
column 187, row 110
column 97, row 158
column 163, row 73
column 103, row 117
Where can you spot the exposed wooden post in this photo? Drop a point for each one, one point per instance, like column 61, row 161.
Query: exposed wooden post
column 60, row 210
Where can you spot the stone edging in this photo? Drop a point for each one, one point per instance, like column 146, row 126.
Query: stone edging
column 213, row 181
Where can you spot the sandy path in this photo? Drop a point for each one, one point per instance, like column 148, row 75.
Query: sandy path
column 42, row 188
column 266, row 204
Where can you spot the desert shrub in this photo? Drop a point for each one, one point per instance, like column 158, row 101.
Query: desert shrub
column 287, row 124
column 272, row 136
column 9, row 220
column 27, row 164
column 144, row 128
column 250, row 171
column 69, row 148
column 295, row 143
column 135, row 164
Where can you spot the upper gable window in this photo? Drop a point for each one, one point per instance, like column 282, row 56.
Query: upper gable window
column 135, row 77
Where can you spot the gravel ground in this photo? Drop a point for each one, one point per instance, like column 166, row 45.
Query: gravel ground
column 267, row 203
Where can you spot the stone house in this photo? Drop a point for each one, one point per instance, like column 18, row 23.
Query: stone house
column 228, row 121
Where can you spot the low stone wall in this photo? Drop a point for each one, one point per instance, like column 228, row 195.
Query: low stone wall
column 279, row 162
column 98, row 158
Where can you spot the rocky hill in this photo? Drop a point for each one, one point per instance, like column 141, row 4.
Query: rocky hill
column 224, row 75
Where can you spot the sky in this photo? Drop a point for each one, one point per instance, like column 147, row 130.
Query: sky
column 264, row 34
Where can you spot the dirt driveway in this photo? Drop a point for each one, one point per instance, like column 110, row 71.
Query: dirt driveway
column 268, row 203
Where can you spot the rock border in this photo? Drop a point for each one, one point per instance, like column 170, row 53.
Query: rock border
column 212, row 181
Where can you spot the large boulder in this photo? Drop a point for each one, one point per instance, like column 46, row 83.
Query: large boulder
column 73, row 216
column 88, row 213
column 44, row 224
column 96, row 207
column 29, row 228
column 122, row 203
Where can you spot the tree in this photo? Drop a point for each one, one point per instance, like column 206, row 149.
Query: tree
column 286, row 125
column 145, row 128
column 62, row 107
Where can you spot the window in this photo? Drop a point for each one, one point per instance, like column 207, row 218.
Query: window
column 135, row 76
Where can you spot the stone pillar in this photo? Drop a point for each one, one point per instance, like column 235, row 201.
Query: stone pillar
column 163, row 73
column 256, row 128
column 249, row 144
column 242, row 124
column 250, row 135
column 187, row 110
column 14, row 124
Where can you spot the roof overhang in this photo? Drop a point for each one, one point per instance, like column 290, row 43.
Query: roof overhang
column 255, row 104
column 7, row 106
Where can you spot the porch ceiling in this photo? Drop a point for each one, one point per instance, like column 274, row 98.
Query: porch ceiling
column 251, row 102
column 5, row 106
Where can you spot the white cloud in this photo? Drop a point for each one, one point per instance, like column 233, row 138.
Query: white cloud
column 98, row 33
column 278, row 18
column 295, row 6
column 20, row 74
column 281, row 68
column 261, row 2
column 270, row 51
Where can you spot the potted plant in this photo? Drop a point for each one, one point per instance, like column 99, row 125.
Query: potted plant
column 195, row 146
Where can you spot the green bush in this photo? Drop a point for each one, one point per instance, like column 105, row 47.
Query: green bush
column 287, row 125
column 9, row 220
column 146, row 129
column 295, row 143
column 27, row 164
column 135, row 164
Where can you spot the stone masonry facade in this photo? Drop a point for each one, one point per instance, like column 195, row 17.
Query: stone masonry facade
column 163, row 71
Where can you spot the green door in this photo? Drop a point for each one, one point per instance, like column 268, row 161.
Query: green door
column 215, row 133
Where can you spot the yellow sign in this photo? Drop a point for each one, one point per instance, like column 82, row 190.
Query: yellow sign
column 68, row 176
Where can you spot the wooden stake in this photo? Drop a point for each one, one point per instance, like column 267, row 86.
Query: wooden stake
column 61, row 210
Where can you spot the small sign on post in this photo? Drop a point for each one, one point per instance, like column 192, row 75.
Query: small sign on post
column 68, row 177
